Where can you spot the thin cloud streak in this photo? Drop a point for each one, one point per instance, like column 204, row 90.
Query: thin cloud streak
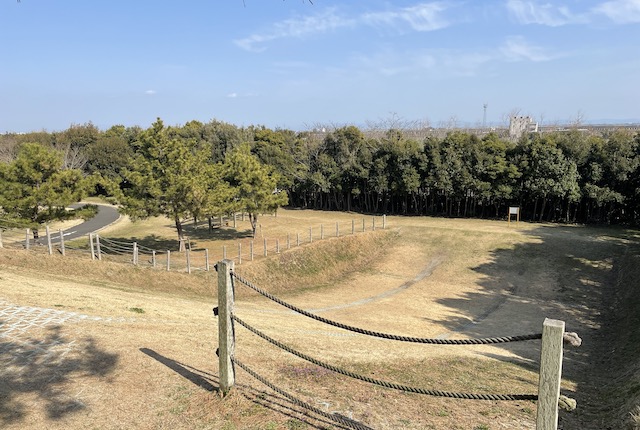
column 516, row 48
column 422, row 17
column 620, row 11
column 532, row 12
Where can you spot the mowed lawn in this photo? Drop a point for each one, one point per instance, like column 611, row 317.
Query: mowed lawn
column 88, row 344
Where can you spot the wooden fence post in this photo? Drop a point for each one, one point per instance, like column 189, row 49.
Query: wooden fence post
column 550, row 374
column 206, row 259
column 48, row 240
column 168, row 260
column 153, row 259
column 337, row 229
column 239, row 252
column 251, row 250
column 384, row 222
column 297, row 239
column 62, row 243
column 26, row 240
column 321, row 231
column 353, row 226
column 310, row 234
column 226, row 338
column 93, row 251
column 277, row 246
column 264, row 245
column 98, row 250
column 135, row 253
column 188, row 255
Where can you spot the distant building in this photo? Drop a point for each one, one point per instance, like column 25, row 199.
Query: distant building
column 519, row 125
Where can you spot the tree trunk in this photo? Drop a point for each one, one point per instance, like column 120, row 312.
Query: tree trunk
column 181, row 246
column 544, row 202
column 253, row 219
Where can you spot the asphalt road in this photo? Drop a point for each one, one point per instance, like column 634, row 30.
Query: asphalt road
column 106, row 215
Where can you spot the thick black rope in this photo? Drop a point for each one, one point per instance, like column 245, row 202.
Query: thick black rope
column 437, row 393
column 333, row 417
column 482, row 341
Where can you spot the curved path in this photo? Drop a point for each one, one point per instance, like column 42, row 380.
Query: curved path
column 106, row 216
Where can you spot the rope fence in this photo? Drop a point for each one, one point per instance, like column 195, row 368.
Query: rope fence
column 553, row 337
column 190, row 260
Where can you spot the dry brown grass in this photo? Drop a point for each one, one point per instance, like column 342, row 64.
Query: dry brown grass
column 148, row 360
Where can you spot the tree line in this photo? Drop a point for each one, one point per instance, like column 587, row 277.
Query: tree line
column 201, row 169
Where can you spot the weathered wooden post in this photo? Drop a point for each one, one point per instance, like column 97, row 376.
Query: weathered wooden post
column 310, row 234
column 168, row 260
column 206, row 259
column 27, row 245
column 93, row 252
column 373, row 224
column 277, row 246
column 550, row 374
column 153, row 258
column 239, row 252
column 251, row 250
column 98, row 251
column 363, row 224
column 321, row 231
column 226, row 338
column 188, row 255
column 1, row 246
column 264, row 246
column 353, row 226
column 48, row 240
column 384, row 222
column 297, row 239
column 62, row 250
column 224, row 252
column 135, row 253
column 337, row 229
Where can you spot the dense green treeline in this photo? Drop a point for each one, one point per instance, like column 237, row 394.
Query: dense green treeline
column 569, row 176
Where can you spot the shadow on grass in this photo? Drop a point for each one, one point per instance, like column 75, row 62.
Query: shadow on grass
column 43, row 367
column 267, row 400
column 565, row 273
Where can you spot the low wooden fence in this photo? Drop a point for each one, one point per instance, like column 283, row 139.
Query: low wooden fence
column 553, row 337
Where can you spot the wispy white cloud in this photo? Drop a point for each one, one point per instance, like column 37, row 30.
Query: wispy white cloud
column 232, row 95
column 235, row 95
column 150, row 92
column 516, row 48
column 620, row 11
column 534, row 12
column 302, row 27
column 421, row 17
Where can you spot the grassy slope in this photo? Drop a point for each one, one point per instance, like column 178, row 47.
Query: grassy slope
column 345, row 257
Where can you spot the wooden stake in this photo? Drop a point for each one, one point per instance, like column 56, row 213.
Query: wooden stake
column 48, row 240
column 550, row 374
column 226, row 338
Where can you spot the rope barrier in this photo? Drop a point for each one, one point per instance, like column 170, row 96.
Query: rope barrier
column 482, row 341
column 333, row 417
column 405, row 388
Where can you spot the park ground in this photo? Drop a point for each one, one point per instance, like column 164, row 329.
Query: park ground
column 105, row 345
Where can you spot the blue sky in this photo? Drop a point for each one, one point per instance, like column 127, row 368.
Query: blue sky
column 293, row 64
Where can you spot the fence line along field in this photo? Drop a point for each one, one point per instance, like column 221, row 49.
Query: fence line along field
column 104, row 344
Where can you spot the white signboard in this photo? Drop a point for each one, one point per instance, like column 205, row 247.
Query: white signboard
column 513, row 210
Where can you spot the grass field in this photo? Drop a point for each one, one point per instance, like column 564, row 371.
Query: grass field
column 107, row 345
